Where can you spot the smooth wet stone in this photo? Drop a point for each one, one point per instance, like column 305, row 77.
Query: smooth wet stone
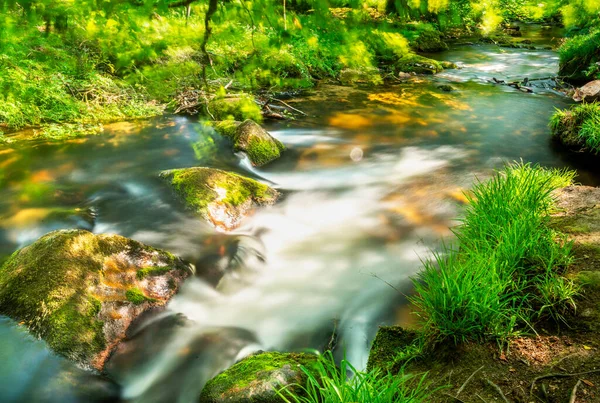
column 588, row 93
column 221, row 198
column 257, row 378
column 81, row 291
column 251, row 138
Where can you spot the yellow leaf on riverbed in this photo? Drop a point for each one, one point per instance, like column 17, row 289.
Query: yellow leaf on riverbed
column 349, row 121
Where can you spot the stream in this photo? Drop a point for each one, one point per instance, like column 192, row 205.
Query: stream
column 372, row 181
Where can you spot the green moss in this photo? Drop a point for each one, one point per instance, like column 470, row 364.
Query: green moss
column 44, row 286
column 255, row 368
column 136, row 296
column 198, row 188
column 430, row 41
column 413, row 63
column 49, row 286
column 152, row 271
column 389, row 342
column 240, row 108
column 261, row 151
column 227, row 128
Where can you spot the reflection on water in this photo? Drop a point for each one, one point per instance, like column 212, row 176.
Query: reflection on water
column 371, row 181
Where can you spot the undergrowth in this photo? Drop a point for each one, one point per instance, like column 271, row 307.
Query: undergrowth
column 330, row 383
column 504, row 276
column 578, row 126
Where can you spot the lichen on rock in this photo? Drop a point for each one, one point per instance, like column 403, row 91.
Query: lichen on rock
column 251, row 138
column 70, row 288
column 258, row 378
column 222, row 198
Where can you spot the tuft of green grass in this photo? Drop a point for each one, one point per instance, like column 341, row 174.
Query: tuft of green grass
column 505, row 274
column 578, row 126
column 329, row 383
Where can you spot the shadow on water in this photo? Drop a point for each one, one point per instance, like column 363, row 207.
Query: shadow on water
column 373, row 179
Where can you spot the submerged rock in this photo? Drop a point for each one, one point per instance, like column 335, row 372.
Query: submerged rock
column 364, row 75
column 257, row 378
column 389, row 341
column 252, row 139
column 418, row 64
column 588, row 93
column 80, row 291
column 222, row 198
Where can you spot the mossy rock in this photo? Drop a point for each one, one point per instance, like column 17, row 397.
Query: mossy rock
column 252, row 139
column 417, row 64
column 222, row 198
column 364, row 75
column 235, row 108
column 388, row 343
column 257, row 378
column 430, row 41
column 71, row 289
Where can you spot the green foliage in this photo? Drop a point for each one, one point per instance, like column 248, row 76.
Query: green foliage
column 136, row 296
column 505, row 273
column 328, row 383
column 578, row 57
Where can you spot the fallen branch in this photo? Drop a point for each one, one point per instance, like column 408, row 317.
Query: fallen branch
column 497, row 388
column 288, row 106
column 468, row 379
column 574, row 392
column 559, row 376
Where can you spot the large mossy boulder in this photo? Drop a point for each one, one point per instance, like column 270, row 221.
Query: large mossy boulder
column 251, row 138
column 417, row 64
column 81, row 291
column 430, row 41
column 222, row 198
column 388, row 343
column 258, row 378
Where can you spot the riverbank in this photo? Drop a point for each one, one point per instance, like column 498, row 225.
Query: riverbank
column 556, row 362
column 66, row 81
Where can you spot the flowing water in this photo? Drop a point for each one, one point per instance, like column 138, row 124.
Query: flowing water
column 372, row 181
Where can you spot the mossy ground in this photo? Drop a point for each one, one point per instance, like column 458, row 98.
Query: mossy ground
column 556, row 349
